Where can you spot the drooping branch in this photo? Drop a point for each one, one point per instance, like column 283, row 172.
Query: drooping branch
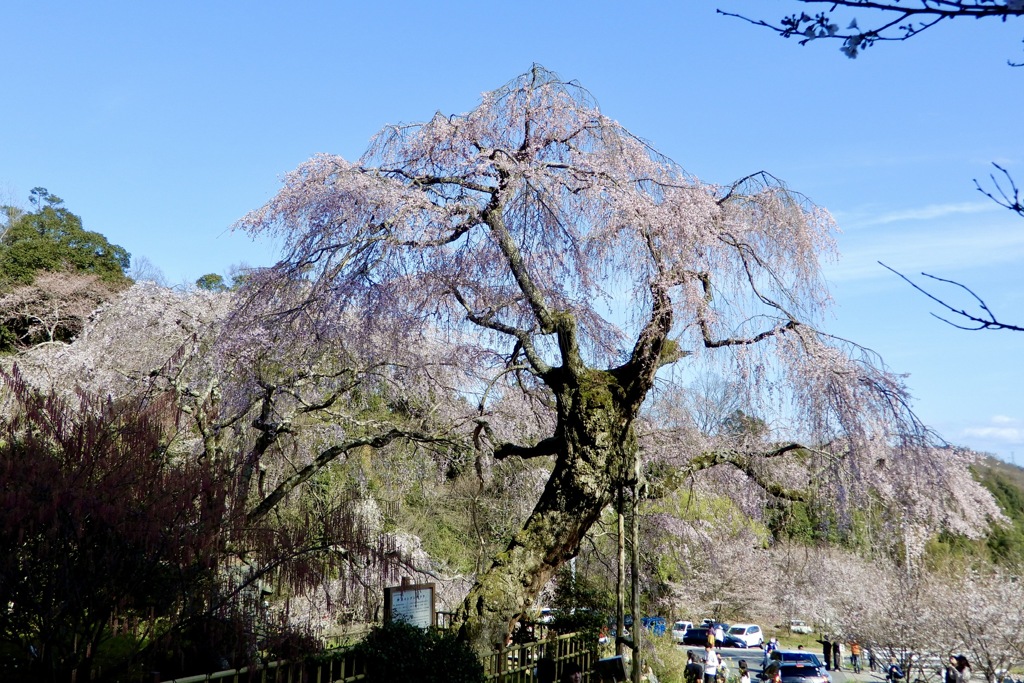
column 523, row 339
column 329, row 455
column 517, row 267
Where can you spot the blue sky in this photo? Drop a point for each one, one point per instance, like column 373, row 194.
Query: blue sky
column 162, row 123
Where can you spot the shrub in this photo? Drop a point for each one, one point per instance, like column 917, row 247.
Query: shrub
column 398, row 651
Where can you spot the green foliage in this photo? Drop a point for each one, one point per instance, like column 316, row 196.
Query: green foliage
column 667, row 659
column 792, row 520
column 1004, row 544
column 400, row 652
column 51, row 238
column 580, row 605
column 212, row 282
column 1006, row 483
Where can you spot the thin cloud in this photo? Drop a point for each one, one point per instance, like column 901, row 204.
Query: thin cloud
column 929, row 247
column 1002, row 429
column 926, row 213
column 1006, row 435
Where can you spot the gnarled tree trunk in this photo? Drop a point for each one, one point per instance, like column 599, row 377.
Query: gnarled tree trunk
column 594, row 445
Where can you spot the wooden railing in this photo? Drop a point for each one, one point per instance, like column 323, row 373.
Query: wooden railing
column 517, row 663
column 514, row 664
column 342, row 667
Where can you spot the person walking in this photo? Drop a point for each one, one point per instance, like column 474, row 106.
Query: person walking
column 711, row 663
column 855, row 656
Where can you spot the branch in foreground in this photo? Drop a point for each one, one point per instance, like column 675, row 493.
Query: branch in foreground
column 986, row 320
column 1009, row 198
column 898, row 21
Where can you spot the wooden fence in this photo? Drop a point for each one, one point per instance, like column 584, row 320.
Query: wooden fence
column 517, row 663
column 514, row 664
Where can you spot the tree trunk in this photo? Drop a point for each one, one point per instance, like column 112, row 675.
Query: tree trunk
column 620, row 578
column 634, row 572
column 597, row 444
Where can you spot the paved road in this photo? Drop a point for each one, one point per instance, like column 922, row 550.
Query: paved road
column 755, row 656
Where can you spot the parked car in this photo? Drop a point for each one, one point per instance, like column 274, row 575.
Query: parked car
column 731, row 640
column 679, row 630
column 802, row 673
column 797, row 658
column 749, row 635
column 655, row 625
column 798, row 626
column 696, row 636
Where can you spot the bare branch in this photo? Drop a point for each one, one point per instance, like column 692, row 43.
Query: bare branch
column 899, row 20
column 1010, row 198
column 986, row 320
column 327, row 456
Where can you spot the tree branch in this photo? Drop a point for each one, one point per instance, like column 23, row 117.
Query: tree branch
column 985, row 321
column 907, row 20
column 548, row 446
column 327, row 456
column 1010, row 200
column 741, row 461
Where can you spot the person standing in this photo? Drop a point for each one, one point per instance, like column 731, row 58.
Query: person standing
column 949, row 675
column 694, row 672
column 855, row 656
column 959, row 670
column 545, row 670
column 744, row 674
column 711, row 663
column 572, row 673
column 826, row 651
column 837, row 655
column 719, row 634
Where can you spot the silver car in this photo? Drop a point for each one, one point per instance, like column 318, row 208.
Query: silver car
column 802, row 673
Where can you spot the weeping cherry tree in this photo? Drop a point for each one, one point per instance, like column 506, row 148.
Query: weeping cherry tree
column 562, row 262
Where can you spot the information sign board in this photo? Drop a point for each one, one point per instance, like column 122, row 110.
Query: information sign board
column 412, row 603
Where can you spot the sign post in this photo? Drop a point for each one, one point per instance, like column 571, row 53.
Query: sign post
column 412, row 603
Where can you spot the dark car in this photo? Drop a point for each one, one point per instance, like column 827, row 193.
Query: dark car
column 802, row 673
column 696, row 636
column 732, row 641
